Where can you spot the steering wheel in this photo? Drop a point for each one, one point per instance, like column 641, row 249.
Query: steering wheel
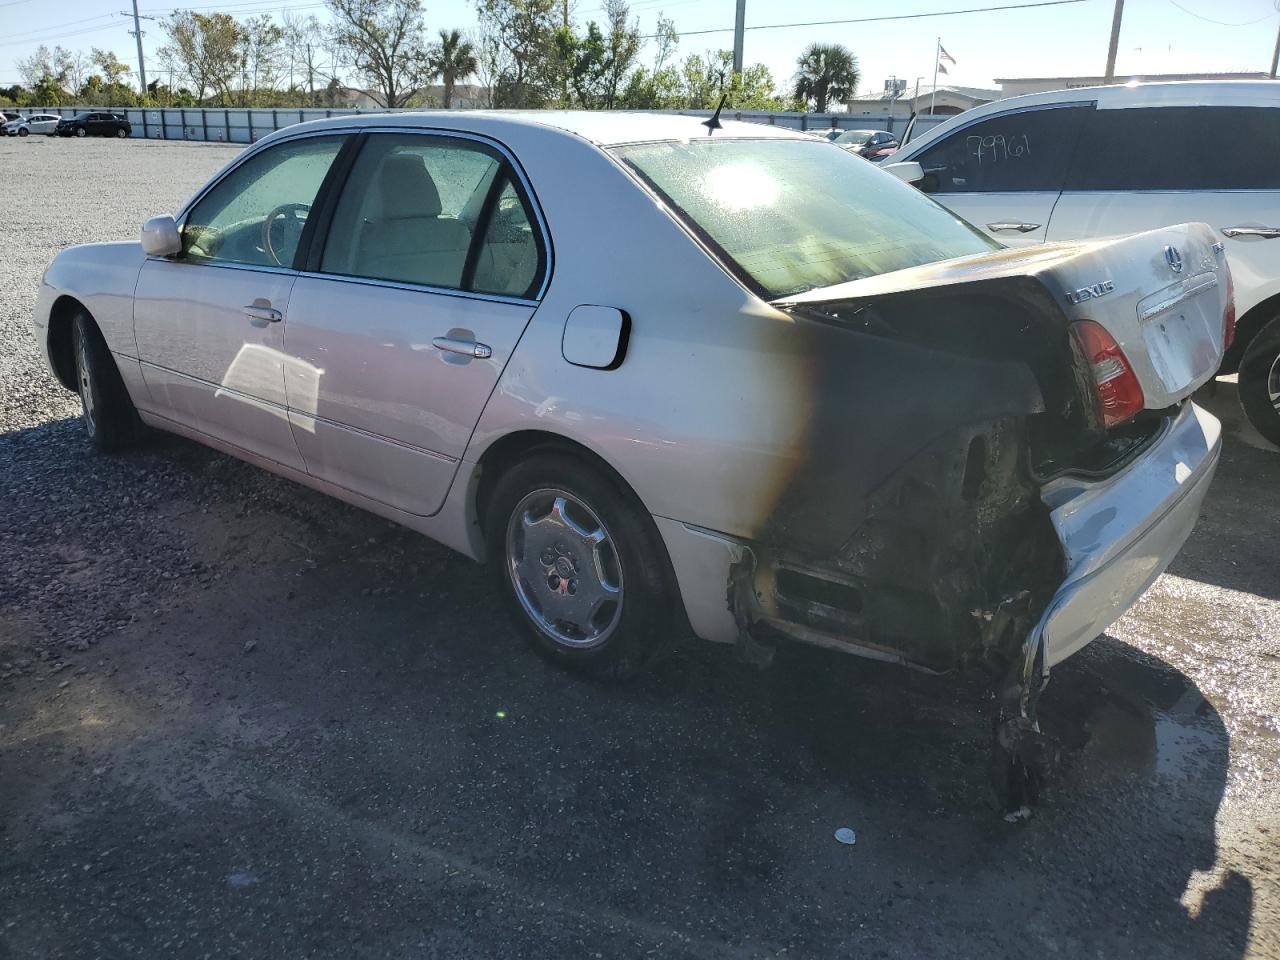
column 290, row 232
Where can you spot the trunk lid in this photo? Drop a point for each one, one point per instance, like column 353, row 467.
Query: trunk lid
column 1160, row 294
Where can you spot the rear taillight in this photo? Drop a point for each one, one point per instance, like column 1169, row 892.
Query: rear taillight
column 1119, row 392
column 1229, row 314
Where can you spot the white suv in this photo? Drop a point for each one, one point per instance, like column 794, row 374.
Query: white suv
column 1102, row 161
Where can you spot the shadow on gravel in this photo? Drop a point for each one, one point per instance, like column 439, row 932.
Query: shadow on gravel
column 340, row 747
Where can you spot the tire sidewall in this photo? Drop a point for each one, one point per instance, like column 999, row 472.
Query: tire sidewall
column 646, row 623
column 115, row 424
column 1256, row 365
column 81, row 132
column 23, row 132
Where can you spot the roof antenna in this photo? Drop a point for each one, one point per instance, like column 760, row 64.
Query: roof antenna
column 713, row 124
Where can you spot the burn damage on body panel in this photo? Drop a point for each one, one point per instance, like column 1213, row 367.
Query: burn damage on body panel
column 911, row 528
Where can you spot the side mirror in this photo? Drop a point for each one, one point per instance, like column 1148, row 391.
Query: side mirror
column 160, row 237
column 908, row 171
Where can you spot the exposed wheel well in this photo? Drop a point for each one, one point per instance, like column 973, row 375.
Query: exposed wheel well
column 61, row 358
column 1247, row 328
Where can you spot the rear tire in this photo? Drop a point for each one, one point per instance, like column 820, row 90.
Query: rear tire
column 582, row 566
column 109, row 416
column 1259, row 381
column 121, row 132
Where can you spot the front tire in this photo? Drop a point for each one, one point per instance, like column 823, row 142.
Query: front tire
column 81, row 132
column 1259, row 381
column 109, row 417
column 23, row 132
column 581, row 565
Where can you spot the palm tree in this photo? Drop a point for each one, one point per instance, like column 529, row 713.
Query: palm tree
column 452, row 59
column 826, row 72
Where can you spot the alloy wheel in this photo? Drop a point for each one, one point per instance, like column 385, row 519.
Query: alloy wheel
column 564, row 568
column 84, row 377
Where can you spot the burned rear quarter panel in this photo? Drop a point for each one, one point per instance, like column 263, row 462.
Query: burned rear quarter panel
column 726, row 412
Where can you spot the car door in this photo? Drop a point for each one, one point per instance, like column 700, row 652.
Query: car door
column 432, row 265
column 208, row 321
column 1156, row 166
column 1004, row 173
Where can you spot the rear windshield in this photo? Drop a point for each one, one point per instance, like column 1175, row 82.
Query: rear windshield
column 794, row 215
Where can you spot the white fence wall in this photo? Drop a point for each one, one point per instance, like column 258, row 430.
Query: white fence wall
column 230, row 125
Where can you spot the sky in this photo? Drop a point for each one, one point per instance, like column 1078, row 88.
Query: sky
column 1157, row 36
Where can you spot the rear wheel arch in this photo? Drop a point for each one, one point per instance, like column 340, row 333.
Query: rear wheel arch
column 513, row 448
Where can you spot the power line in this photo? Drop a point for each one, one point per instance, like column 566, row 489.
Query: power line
column 897, row 16
column 1221, row 23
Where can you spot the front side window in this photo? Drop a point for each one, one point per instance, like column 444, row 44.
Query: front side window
column 434, row 211
column 256, row 213
column 795, row 215
column 1179, row 148
column 1029, row 150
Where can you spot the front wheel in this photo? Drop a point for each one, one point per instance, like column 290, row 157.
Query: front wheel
column 1259, row 381
column 23, row 132
column 109, row 416
column 581, row 564
column 81, row 132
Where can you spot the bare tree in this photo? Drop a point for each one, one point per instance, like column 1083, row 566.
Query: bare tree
column 262, row 53
column 304, row 39
column 384, row 41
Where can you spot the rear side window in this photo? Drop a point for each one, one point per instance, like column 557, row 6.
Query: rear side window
column 1024, row 151
column 795, row 215
column 1179, row 148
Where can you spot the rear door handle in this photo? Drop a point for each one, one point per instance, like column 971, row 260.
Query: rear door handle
column 256, row 311
column 467, row 348
column 1000, row 225
column 1266, row 233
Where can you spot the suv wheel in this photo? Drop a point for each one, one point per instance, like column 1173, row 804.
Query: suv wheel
column 23, row 131
column 81, row 132
column 1259, row 378
column 581, row 565
column 109, row 416
column 121, row 132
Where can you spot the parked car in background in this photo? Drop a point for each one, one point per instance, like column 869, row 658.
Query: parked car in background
column 46, row 123
column 10, row 115
column 1104, row 161
column 866, row 143
column 94, row 124
column 697, row 423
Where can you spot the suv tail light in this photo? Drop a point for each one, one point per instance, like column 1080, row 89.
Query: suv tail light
column 1229, row 314
column 1119, row 392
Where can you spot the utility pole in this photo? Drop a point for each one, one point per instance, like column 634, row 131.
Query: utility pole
column 739, row 27
column 1115, row 42
column 1275, row 57
column 137, row 35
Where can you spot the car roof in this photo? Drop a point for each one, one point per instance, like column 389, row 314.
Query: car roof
column 1121, row 96
column 602, row 127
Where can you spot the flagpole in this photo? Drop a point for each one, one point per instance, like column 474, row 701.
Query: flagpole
column 937, row 51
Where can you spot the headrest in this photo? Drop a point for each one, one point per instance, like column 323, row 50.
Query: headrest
column 405, row 188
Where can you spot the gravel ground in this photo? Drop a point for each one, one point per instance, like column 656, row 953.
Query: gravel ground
column 240, row 720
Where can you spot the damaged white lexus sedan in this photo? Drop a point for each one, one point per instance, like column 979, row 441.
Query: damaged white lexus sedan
column 669, row 376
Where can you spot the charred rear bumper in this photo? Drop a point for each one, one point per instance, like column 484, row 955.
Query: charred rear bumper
column 1116, row 535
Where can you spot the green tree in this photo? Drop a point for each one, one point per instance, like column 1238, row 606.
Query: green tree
column 451, row 59
column 384, row 39
column 825, row 72
column 519, row 51
column 204, row 49
column 261, row 58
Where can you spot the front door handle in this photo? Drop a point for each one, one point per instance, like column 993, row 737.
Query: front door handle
column 1266, row 233
column 467, row 348
column 1000, row 225
column 258, row 311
